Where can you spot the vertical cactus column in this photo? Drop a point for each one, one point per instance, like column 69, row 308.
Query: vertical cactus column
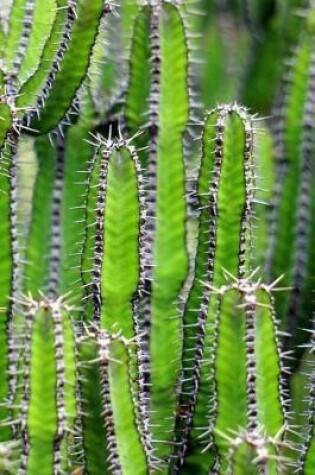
column 113, row 409
column 248, row 384
column 292, row 224
column 48, row 403
column 165, row 61
column 306, row 461
column 10, row 278
column 226, row 175
column 112, row 270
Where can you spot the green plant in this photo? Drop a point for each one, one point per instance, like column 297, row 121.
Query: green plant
column 156, row 260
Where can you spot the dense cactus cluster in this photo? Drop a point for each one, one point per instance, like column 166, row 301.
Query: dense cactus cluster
column 157, row 268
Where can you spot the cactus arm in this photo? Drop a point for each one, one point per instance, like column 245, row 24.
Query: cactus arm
column 230, row 371
column 129, row 443
column 229, row 237
column 264, row 164
column 38, row 412
column 114, row 408
column 113, row 247
column 42, row 22
column 96, row 453
column 109, row 66
column 262, row 405
column 73, row 67
column 39, row 237
column 20, row 23
column 169, row 245
column 121, row 247
column 9, row 280
column 292, row 223
column 287, row 167
column 269, row 362
column 139, row 74
column 55, row 47
column 73, row 207
column 115, row 242
column 49, row 369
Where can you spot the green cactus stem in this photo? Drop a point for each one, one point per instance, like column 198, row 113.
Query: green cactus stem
column 292, row 223
column 226, row 175
column 48, row 403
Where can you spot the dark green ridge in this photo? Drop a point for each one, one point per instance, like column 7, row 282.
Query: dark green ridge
column 292, row 223
column 288, row 168
column 274, row 27
column 73, row 67
column 264, row 158
column 114, row 190
column 224, row 244
column 303, row 273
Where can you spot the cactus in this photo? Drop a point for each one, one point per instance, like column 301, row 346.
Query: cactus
column 156, row 268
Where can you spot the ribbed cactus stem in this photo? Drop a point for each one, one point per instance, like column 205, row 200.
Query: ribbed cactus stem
column 55, row 253
column 59, row 55
column 49, row 380
column 11, row 307
column 24, row 38
column 263, row 451
column 292, row 224
column 306, row 461
column 226, row 169
column 126, row 448
column 250, row 304
column 252, row 414
column 116, row 284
